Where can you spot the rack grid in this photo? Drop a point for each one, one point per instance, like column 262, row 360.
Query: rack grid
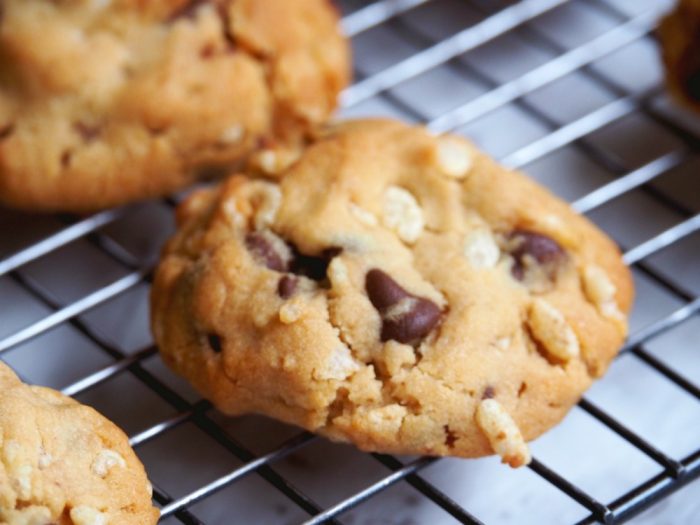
column 425, row 43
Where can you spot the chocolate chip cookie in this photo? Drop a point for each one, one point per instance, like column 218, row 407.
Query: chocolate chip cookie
column 107, row 101
column 393, row 289
column 679, row 33
column 63, row 463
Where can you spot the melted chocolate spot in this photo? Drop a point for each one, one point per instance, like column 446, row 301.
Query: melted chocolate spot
column 450, row 436
column 6, row 131
column 264, row 251
column 489, row 393
column 87, row 132
column 207, row 51
column 522, row 389
column 527, row 247
column 66, row 157
column 214, row 342
column 286, row 286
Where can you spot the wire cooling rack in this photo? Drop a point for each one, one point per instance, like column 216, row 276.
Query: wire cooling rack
column 569, row 91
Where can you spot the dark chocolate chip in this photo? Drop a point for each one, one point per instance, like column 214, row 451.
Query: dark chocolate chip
column 214, row 342
column 527, row 247
column 450, row 436
column 313, row 266
column 414, row 324
column 264, row 251
column 406, row 318
column 382, row 290
column 489, row 393
column 87, row 132
column 286, row 286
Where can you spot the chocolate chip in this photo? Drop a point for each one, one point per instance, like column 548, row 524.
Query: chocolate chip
column 383, row 291
column 489, row 393
column 87, row 132
column 406, row 318
column 286, row 286
column 529, row 249
column 214, row 342
column 413, row 321
column 313, row 266
column 262, row 246
column 450, row 436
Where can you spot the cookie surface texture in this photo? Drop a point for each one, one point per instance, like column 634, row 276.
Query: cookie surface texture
column 122, row 100
column 393, row 289
column 63, row 463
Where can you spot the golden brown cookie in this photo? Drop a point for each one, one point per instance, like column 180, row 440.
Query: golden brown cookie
column 393, row 289
column 107, row 101
column 679, row 33
column 63, row 463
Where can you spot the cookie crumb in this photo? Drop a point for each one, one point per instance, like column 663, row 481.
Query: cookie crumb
column 270, row 198
column 502, row 432
column 365, row 217
column 273, row 161
column 396, row 355
column 87, row 516
column 453, row 156
column 339, row 366
column 23, row 482
column 550, row 329
column 601, row 292
column 402, row 214
column 45, row 459
column 291, row 312
column 232, row 134
column 338, row 273
column 503, row 343
column 480, row 249
column 105, row 461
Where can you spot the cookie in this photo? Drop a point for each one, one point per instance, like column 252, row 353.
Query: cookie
column 63, row 463
column 679, row 35
column 393, row 289
column 124, row 99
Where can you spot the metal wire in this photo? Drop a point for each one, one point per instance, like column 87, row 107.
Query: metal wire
column 676, row 472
